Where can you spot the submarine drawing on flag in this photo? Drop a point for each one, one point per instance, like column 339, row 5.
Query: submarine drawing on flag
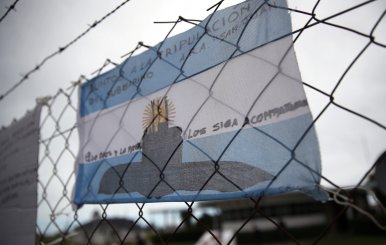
column 162, row 171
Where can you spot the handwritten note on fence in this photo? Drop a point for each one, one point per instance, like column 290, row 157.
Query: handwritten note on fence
column 18, row 179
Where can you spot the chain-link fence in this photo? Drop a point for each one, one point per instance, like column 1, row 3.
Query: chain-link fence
column 343, row 83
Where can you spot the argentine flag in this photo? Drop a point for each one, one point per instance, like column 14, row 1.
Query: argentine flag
column 216, row 112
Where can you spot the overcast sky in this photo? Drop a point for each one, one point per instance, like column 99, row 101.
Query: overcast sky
column 349, row 145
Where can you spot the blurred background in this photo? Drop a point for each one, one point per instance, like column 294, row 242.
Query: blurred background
column 48, row 47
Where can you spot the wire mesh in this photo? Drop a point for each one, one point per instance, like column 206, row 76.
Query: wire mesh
column 263, row 220
column 60, row 50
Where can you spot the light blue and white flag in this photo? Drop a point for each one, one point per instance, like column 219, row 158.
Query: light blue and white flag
column 216, row 112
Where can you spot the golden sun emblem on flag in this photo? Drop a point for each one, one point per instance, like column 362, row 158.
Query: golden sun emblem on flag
column 158, row 111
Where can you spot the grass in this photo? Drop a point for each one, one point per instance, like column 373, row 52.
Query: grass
column 331, row 240
column 353, row 240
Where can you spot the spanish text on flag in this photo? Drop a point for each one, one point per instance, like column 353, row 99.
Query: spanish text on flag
column 216, row 112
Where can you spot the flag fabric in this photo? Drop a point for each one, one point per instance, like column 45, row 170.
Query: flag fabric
column 216, row 112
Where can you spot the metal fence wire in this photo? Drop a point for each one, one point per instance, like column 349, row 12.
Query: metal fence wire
column 351, row 212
